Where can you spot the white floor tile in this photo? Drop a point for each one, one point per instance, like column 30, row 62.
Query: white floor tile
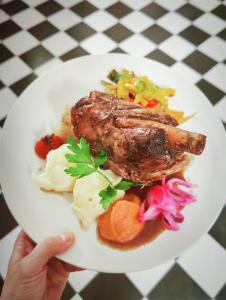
column 7, row 99
column 220, row 108
column 34, row 2
column 6, row 246
column 206, row 5
column 186, row 72
column 205, row 262
column 134, row 4
column 173, row 22
column 59, row 43
column 217, row 76
column 12, row 70
column 102, row 3
column 215, row 48
column 21, row 42
column 76, row 297
column 137, row 21
column 28, row 18
column 3, row 16
column 204, row 21
column 137, row 45
column 100, row 20
column 79, row 280
column 47, row 66
column 177, row 47
column 98, row 43
column 146, row 280
column 171, row 5
column 64, row 19
column 68, row 3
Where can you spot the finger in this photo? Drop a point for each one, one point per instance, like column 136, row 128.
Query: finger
column 62, row 267
column 47, row 249
column 21, row 246
column 71, row 268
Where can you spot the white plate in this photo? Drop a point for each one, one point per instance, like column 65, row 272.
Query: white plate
column 41, row 214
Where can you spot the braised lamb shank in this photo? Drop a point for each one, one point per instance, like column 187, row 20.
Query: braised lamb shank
column 143, row 145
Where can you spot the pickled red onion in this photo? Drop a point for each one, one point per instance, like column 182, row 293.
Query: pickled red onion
column 166, row 201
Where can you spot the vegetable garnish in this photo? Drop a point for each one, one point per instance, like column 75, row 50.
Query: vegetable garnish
column 46, row 144
column 166, row 200
column 141, row 90
column 85, row 165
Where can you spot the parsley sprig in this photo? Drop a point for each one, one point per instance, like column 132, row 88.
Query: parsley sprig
column 85, row 165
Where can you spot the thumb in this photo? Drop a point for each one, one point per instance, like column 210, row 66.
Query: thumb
column 52, row 246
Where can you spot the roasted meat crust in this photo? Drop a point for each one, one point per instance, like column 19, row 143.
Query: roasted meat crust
column 142, row 144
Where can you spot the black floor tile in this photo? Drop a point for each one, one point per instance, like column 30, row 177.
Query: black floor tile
column 222, row 294
column 14, row 7
column 43, row 30
column 5, row 53
column 117, row 50
column 156, row 34
column 194, row 35
column 19, row 86
column 224, row 124
column 83, row 8
column 1, row 85
column 161, row 57
column 220, row 11
column 110, row 287
column 7, row 221
column 118, row 33
column 154, row 11
column 2, row 121
column 68, row 292
column 76, row 52
column 119, row 10
column 49, row 7
column 177, row 285
column 1, row 284
column 211, row 92
column 218, row 231
column 80, row 31
column 189, row 11
column 36, row 56
column 222, row 34
column 199, row 61
column 8, row 28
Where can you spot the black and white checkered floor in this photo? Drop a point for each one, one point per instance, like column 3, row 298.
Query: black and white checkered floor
column 188, row 36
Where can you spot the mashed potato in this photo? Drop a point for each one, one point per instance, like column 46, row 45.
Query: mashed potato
column 52, row 177
column 86, row 196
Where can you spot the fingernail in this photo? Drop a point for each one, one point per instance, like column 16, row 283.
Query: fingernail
column 67, row 237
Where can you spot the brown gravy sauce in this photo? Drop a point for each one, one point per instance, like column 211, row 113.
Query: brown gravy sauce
column 152, row 229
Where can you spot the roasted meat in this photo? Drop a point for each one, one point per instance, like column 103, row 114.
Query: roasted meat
column 142, row 144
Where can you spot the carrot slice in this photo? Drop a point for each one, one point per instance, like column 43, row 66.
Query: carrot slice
column 124, row 221
column 132, row 197
column 104, row 225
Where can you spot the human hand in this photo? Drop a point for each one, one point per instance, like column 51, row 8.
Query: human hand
column 33, row 271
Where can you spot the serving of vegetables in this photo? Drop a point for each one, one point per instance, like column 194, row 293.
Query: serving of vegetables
column 141, row 90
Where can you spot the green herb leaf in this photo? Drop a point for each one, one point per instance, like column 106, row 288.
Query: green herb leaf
column 81, row 152
column 80, row 170
column 101, row 158
column 107, row 196
column 124, row 185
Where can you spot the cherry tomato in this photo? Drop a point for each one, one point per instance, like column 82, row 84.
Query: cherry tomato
column 46, row 144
